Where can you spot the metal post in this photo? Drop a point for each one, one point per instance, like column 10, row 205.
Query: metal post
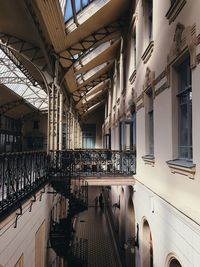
column 60, row 122
column 56, row 113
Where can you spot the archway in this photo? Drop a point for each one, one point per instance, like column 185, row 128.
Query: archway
column 122, row 227
column 174, row 263
column 130, row 255
column 147, row 246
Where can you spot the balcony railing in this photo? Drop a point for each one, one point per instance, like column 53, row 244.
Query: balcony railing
column 21, row 174
column 95, row 162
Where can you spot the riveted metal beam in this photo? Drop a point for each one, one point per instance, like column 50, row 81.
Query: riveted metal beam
column 29, row 50
column 45, row 46
column 87, row 44
column 16, row 61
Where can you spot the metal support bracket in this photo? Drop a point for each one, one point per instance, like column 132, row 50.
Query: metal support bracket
column 17, row 216
column 32, row 200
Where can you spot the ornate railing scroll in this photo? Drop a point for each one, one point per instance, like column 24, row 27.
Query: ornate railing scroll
column 97, row 161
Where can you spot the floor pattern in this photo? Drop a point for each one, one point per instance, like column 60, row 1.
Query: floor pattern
column 92, row 225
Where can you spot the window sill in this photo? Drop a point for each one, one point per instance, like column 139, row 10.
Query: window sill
column 147, row 53
column 181, row 166
column 174, row 10
column 149, row 160
column 132, row 77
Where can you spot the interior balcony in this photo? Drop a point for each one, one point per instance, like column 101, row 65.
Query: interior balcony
column 69, row 172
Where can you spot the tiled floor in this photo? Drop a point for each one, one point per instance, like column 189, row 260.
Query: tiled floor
column 92, row 225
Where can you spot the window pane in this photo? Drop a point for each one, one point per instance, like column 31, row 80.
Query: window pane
column 185, row 110
column 151, row 138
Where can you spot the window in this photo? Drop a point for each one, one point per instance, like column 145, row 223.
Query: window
column 127, row 134
column 35, row 125
column 134, row 49
column 148, row 13
column 107, row 141
column 89, row 135
column 150, row 122
column 184, row 98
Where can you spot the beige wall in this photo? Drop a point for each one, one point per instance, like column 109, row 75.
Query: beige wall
column 30, row 236
column 178, row 189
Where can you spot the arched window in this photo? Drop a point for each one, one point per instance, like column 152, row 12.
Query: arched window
column 147, row 246
column 174, row 263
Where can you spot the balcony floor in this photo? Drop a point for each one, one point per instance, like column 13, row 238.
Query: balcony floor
column 108, row 180
column 93, row 225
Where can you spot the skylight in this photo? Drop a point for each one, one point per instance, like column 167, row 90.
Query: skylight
column 15, row 80
column 79, row 5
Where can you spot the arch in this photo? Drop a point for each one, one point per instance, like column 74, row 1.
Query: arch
column 122, row 227
column 24, row 59
column 130, row 256
column 147, row 245
column 173, row 261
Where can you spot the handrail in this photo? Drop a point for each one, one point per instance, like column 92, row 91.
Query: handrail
column 21, row 174
column 95, row 161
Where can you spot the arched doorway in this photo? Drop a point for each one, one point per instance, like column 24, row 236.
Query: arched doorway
column 174, row 263
column 147, row 246
column 130, row 254
column 122, row 227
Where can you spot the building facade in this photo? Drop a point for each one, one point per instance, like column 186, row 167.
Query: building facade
column 133, row 86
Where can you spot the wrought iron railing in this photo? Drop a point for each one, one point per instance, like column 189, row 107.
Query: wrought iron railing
column 23, row 173
column 96, row 161
column 20, row 175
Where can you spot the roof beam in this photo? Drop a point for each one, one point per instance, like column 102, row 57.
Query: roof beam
column 82, row 48
column 29, row 50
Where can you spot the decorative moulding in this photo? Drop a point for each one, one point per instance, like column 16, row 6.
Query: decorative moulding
column 183, row 169
column 149, row 81
column 184, row 38
column 147, row 53
column 140, row 101
column 175, row 9
column 149, row 160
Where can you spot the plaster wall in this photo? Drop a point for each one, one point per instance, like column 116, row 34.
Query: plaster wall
column 177, row 189
column 21, row 240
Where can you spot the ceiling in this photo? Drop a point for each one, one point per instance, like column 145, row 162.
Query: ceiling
column 78, row 40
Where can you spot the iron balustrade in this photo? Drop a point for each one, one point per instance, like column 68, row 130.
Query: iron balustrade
column 96, row 161
column 21, row 174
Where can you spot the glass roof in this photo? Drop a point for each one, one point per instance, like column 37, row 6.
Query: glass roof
column 79, row 5
column 15, row 80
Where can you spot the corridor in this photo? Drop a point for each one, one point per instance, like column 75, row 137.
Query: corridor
column 92, row 225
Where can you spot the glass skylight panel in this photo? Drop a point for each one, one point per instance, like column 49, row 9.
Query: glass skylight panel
column 15, row 80
column 91, row 72
column 79, row 5
column 68, row 11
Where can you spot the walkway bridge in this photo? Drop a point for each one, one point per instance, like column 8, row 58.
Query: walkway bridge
column 22, row 174
column 99, row 167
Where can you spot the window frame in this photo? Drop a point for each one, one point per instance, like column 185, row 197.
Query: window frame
column 184, row 93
